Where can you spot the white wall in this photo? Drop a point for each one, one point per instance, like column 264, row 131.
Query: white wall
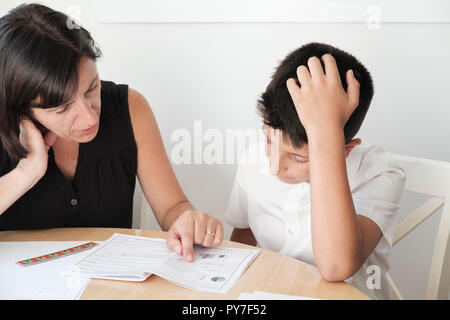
column 211, row 60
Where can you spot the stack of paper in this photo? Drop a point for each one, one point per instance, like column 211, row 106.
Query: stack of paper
column 133, row 258
column 43, row 280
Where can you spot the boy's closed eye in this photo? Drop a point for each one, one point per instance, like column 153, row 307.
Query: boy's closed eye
column 296, row 157
column 299, row 159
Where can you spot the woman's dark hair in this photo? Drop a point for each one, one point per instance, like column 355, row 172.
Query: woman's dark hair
column 40, row 50
column 277, row 108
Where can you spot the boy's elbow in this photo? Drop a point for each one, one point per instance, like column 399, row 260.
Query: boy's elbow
column 337, row 272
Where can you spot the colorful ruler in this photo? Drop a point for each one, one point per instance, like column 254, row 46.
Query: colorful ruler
column 58, row 254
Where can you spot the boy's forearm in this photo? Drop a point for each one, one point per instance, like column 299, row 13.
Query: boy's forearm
column 335, row 232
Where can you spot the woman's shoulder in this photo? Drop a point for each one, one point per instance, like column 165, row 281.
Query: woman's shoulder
column 115, row 126
column 137, row 103
column 126, row 108
column 122, row 97
column 114, row 94
column 142, row 119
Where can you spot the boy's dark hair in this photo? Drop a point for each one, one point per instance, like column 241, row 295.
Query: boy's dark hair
column 277, row 108
column 40, row 49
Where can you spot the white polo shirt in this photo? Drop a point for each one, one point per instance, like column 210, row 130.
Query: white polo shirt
column 279, row 213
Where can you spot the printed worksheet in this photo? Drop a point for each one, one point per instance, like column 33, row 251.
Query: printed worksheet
column 122, row 257
column 133, row 258
column 213, row 269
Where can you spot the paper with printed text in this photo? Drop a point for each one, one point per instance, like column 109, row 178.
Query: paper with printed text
column 133, row 258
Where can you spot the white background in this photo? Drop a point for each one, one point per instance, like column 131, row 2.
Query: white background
column 210, row 61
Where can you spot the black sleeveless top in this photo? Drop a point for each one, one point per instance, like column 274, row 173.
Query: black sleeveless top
column 101, row 193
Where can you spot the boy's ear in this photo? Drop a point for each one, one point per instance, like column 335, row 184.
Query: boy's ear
column 349, row 146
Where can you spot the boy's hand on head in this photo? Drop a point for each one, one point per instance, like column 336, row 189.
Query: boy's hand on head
column 321, row 101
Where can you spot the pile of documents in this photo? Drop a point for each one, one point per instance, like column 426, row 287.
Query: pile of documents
column 121, row 257
column 132, row 258
column 41, row 281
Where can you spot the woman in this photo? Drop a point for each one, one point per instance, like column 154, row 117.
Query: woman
column 72, row 145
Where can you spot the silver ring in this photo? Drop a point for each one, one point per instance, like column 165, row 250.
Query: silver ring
column 210, row 232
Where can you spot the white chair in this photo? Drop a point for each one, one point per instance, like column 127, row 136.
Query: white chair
column 431, row 178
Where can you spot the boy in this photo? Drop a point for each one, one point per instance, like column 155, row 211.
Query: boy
column 328, row 200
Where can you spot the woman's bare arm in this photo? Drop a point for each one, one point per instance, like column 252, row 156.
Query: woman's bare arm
column 172, row 209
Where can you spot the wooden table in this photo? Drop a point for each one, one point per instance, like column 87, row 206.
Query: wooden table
column 270, row 272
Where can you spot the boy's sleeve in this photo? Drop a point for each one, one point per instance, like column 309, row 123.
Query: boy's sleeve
column 236, row 213
column 378, row 197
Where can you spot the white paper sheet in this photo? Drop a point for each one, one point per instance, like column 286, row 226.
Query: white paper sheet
column 43, row 280
column 133, row 258
column 122, row 257
column 214, row 269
